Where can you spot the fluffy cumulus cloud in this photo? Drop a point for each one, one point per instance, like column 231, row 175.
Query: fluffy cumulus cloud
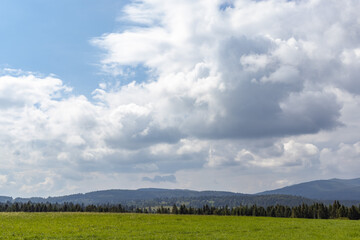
column 249, row 70
column 235, row 90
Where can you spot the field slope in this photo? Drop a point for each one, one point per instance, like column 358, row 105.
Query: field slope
column 141, row 226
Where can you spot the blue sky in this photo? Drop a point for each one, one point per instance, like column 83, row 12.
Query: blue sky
column 238, row 95
column 53, row 37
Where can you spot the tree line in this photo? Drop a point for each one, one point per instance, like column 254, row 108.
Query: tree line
column 314, row 211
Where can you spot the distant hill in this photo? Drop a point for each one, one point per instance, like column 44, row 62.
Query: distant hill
column 326, row 191
column 5, row 199
column 152, row 197
column 127, row 196
column 332, row 189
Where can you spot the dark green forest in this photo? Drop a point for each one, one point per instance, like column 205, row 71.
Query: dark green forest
column 314, row 211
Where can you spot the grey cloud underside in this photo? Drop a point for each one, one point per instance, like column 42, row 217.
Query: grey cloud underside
column 253, row 112
column 145, row 161
column 252, row 108
column 159, row 179
column 133, row 139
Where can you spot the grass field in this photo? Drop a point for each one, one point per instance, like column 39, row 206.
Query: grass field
column 142, row 226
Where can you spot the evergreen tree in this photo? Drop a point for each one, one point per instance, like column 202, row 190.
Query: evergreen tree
column 174, row 209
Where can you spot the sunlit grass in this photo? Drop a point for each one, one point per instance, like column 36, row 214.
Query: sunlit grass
column 142, row 226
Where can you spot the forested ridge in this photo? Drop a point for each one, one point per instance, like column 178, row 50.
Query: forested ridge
column 168, row 197
column 331, row 189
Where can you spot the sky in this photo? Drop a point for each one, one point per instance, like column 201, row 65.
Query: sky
column 235, row 95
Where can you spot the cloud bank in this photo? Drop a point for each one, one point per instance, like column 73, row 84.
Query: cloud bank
column 242, row 95
column 157, row 179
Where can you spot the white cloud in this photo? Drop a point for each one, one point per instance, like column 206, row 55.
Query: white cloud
column 27, row 90
column 341, row 160
column 293, row 155
column 258, row 88
column 255, row 62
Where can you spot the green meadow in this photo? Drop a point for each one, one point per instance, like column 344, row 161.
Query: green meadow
column 154, row 226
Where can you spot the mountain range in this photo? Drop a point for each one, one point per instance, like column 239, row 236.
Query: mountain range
column 332, row 189
column 347, row 191
column 151, row 197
